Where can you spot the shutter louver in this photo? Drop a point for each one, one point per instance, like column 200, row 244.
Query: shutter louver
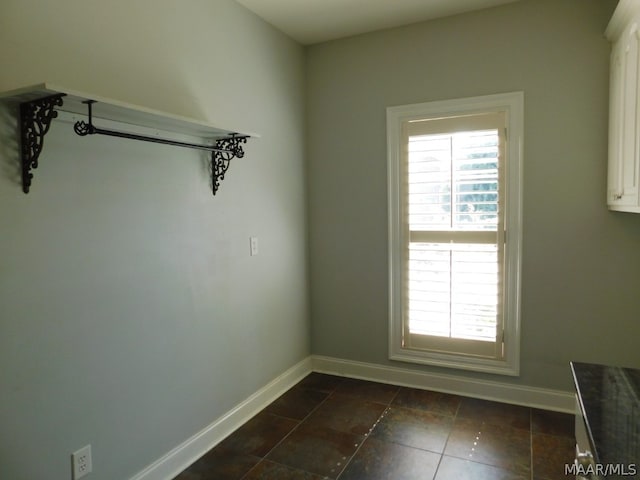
column 453, row 257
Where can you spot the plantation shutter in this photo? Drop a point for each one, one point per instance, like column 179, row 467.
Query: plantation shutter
column 453, row 214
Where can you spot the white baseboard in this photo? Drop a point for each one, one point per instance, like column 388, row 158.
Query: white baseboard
column 502, row 392
column 174, row 462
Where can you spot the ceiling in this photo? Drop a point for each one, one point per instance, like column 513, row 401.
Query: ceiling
column 315, row 21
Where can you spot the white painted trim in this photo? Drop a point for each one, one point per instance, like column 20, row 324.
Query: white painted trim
column 621, row 17
column 171, row 464
column 175, row 461
column 498, row 391
column 512, row 104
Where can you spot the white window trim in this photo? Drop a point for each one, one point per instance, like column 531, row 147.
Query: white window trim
column 513, row 105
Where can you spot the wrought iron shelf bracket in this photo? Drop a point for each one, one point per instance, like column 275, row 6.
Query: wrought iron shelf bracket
column 38, row 105
column 228, row 149
column 222, row 152
column 35, row 120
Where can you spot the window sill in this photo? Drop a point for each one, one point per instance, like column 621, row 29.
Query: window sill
column 507, row 367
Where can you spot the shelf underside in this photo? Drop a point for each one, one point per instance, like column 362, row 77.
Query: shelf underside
column 117, row 111
column 38, row 105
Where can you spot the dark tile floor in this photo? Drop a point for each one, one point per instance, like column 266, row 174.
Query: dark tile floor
column 329, row 427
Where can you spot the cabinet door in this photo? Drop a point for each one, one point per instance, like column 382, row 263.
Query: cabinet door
column 629, row 145
column 616, row 113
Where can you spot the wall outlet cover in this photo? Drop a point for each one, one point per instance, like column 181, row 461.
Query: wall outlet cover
column 81, row 462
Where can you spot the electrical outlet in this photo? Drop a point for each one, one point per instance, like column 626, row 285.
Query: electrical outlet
column 253, row 243
column 81, row 462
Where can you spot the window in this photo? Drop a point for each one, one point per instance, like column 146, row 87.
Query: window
column 455, row 232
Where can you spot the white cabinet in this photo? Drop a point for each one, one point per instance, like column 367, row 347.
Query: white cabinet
column 623, row 31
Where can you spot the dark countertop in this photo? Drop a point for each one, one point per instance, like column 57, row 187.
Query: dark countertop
column 609, row 398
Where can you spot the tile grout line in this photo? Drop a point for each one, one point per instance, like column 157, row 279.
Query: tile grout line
column 444, row 447
column 435, row 474
column 530, row 412
column 329, row 394
column 332, row 393
column 368, row 434
column 531, row 443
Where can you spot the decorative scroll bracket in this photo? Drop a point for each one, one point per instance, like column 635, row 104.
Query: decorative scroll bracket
column 35, row 120
column 224, row 150
column 227, row 149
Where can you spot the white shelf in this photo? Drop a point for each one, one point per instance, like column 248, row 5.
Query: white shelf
column 114, row 110
column 40, row 104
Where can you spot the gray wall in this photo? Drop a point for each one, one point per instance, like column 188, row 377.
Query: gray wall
column 581, row 263
column 131, row 314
